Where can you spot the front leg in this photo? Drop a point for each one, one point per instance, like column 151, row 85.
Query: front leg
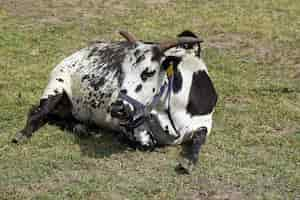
column 191, row 151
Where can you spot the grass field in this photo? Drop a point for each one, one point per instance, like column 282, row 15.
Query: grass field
column 252, row 49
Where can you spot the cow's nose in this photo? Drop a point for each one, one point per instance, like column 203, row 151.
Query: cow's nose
column 121, row 110
column 116, row 108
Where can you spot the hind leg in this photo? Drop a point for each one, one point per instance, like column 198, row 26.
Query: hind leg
column 37, row 117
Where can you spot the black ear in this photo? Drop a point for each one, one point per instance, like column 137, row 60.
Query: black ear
column 188, row 33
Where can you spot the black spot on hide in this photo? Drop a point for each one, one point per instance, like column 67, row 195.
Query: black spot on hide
column 94, row 49
column 147, row 74
column 94, row 104
column 140, row 59
column 97, row 82
column 177, row 82
column 138, row 88
column 85, row 77
column 60, row 80
column 166, row 130
column 203, row 96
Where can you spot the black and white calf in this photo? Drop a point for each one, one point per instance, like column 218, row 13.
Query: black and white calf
column 184, row 113
column 85, row 85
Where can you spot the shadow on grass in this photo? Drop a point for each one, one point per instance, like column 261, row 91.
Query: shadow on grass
column 94, row 142
column 101, row 146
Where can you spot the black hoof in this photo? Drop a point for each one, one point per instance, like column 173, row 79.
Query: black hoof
column 19, row 138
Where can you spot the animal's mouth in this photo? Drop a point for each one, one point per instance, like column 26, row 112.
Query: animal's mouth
column 121, row 111
column 129, row 111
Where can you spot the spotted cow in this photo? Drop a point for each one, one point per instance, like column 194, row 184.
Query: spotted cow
column 84, row 86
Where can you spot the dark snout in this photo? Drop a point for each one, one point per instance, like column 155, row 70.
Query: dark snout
column 130, row 115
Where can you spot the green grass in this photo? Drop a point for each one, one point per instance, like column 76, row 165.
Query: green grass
column 252, row 49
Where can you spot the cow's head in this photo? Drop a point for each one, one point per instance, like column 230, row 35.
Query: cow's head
column 142, row 69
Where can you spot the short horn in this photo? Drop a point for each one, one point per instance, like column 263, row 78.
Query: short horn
column 128, row 36
column 180, row 41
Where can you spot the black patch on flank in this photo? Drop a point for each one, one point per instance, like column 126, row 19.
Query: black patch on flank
column 60, row 80
column 138, row 88
column 147, row 74
column 153, row 90
column 203, row 96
